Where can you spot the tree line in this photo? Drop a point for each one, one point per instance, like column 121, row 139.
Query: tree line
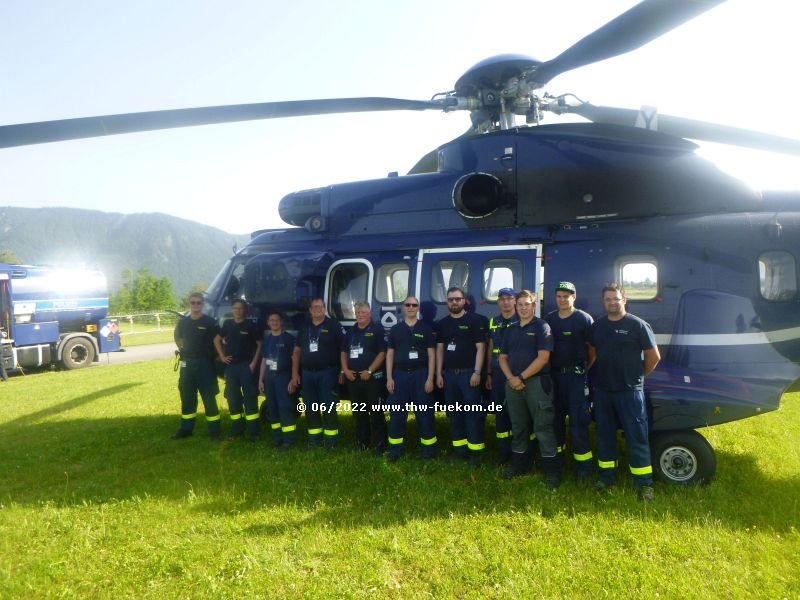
column 143, row 292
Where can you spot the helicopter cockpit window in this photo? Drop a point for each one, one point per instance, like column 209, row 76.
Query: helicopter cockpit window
column 348, row 284
column 777, row 274
column 446, row 274
column 639, row 276
column 391, row 282
column 227, row 284
column 501, row 273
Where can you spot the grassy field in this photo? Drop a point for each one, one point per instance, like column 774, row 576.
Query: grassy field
column 146, row 337
column 95, row 500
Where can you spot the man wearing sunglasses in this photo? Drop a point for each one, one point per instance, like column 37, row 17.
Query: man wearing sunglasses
column 194, row 336
column 410, row 364
column 460, row 351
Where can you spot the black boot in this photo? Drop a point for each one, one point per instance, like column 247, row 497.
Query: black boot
column 520, row 464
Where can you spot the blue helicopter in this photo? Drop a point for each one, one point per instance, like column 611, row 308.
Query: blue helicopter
column 710, row 263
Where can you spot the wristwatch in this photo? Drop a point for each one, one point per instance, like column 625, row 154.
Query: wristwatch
column 370, row 372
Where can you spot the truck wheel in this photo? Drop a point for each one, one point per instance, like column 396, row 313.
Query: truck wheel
column 682, row 457
column 77, row 353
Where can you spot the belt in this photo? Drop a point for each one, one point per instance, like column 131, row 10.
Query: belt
column 573, row 369
column 457, row 371
column 317, row 369
column 410, row 369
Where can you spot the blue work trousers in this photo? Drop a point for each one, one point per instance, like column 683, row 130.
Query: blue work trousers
column 321, row 397
column 409, row 394
column 628, row 409
column 198, row 375
column 465, row 411
column 502, row 421
column 242, row 396
column 570, row 399
column 281, row 410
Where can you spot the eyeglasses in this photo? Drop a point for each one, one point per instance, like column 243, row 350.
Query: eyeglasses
column 411, row 305
column 455, row 299
column 195, row 302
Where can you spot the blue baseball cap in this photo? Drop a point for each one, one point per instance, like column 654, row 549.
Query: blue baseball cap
column 508, row 291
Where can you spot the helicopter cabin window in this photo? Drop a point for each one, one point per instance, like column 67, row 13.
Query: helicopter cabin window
column 348, row 283
column 777, row 274
column 639, row 277
column 391, row 282
column 446, row 274
column 501, row 273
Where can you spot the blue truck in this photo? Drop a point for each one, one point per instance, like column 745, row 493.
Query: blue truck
column 53, row 316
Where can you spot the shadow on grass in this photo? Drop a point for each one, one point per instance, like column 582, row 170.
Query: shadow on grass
column 120, row 459
column 65, row 406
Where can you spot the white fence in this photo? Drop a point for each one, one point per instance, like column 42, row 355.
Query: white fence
column 130, row 324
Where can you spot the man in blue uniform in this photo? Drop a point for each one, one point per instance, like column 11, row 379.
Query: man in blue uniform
column 316, row 356
column 410, row 365
column 525, row 361
column 194, row 336
column 362, row 358
column 495, row 379
column 626, row 354
column 572, row 357
column 460, row 351
column 274, row 379
column 238, row 346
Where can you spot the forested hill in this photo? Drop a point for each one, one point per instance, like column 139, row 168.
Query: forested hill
column 185, row 252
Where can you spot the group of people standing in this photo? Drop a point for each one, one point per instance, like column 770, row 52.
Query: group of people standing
column 532, row 373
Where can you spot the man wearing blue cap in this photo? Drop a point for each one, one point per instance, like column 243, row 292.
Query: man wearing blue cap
column 571, row 359
column 495, row 379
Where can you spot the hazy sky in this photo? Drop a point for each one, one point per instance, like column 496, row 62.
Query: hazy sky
column 733, row 65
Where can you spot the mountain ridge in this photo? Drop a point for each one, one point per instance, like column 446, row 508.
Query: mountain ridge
column 186, row 252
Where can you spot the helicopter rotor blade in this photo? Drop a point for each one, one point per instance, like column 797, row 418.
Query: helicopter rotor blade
column 632, row 29
column 690, row 128
column 86, row 127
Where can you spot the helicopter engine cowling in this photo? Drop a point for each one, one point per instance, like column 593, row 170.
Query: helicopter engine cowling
column 477, row 195
column 298, row 208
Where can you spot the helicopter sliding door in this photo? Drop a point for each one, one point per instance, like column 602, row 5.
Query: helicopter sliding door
column 481, row 272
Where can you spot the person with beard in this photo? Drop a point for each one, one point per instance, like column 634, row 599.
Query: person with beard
column 460, row 351
column 626, row 353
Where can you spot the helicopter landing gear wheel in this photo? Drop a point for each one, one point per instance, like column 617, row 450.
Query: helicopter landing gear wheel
column 683, row 458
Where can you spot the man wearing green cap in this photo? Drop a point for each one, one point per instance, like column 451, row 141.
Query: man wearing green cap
column 571, row 359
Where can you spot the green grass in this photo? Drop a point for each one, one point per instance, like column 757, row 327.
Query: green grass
column 146, row 337
column 96, row 501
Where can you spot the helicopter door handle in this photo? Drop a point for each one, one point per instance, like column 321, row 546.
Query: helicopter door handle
column 505, row 157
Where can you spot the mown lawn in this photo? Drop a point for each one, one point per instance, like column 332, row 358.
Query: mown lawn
column 95, row 500
column 146, row 337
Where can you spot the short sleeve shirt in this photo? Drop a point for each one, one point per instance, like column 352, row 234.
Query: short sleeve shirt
column 522, row 344
column 459, row 337
column 240, row 339
column 497, row 329
column 410, row 344
column 197, row 335
column 570, row 336
column 620, row 346
column 320, row 344
column 362, row 345
column 277, row 351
